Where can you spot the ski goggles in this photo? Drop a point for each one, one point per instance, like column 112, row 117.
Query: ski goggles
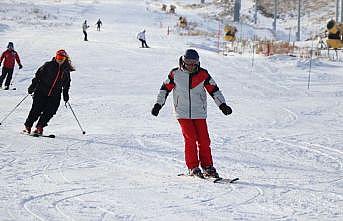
column 60, row 57
column 190, row 62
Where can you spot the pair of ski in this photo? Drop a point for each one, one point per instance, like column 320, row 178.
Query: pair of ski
column 220, row 180
column 38, row 135
column 13, row 89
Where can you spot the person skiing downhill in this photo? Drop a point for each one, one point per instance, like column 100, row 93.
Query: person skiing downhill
column 85, row 26
column 98, row 24
column 10, row 56
column 50, row 81
column 189, row 83
column 141, row 38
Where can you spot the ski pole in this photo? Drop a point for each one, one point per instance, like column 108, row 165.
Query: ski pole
column 83, row 132
column 13, row 81
column 13, row 109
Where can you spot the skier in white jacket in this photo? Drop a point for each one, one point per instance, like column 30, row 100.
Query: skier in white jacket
column 141, row 37
column 84, row 29
column 189, row 83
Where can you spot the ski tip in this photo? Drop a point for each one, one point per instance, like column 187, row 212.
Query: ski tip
column 217, row 180
column 234, row 180
column 52, row 136
column 185, row 174
column 223, row 180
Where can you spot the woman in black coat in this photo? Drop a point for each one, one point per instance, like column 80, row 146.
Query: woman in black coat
column 50, row 81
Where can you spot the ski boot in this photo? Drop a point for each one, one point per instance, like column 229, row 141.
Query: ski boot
column 196, row 172
column 27, row 130
column 6, row 87
column 38, row 131
column 210, row 172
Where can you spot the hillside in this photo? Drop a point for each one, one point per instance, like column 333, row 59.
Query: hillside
column 315, row 13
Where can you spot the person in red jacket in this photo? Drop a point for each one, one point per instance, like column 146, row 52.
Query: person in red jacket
column 9, row 57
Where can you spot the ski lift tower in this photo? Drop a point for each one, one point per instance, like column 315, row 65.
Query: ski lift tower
column 299, row 10
column 237, row 9
column 275, row 15
column 255, row 13
column 337, row 10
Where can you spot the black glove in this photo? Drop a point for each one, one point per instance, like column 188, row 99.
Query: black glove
column 31, row 89
column 20, row 66
column 157, row 107
column 65, row 96
column 225, row 109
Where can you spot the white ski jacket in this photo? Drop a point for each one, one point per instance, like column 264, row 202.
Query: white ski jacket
column 189, row 95
column 84, row 26
column 141, row 35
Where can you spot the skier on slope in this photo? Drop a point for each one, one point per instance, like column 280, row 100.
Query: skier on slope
column 142, row 39
column 85, row 26
column 189, row 82
column 50, row 81
column 98, row 24
column 9, row 56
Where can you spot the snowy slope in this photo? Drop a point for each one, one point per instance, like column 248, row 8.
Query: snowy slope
column 283, row 140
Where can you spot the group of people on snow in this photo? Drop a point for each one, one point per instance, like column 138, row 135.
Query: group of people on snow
column 50, row 81
column 189, row 83
column 140, row 36
column 85, row 26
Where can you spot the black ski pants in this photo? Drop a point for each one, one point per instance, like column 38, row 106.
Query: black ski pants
column 6, row 72
column 85, row 38
column 144, row 45
column 43, row 109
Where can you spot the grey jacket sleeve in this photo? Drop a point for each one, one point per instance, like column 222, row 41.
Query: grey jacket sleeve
column 214, row 91
column 166, row 88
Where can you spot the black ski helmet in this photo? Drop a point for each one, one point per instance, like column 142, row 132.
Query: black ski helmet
column 191, row 54
column 10, row 45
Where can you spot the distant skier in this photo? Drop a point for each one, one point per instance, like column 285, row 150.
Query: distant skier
column 85, row 26
column 189, row 82
column 141, row 37
column 50, row 81
column 9, row 56
column 321, row 43
column 98, row 24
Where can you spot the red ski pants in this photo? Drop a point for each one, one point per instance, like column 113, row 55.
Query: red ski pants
column 197, row 141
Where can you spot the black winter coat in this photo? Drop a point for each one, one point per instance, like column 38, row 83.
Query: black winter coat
column 51, row 79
